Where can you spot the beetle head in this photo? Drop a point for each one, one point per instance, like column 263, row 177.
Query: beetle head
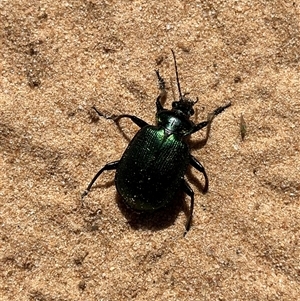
column 184, row 105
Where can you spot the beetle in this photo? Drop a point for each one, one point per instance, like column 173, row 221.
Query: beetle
column 152, row 168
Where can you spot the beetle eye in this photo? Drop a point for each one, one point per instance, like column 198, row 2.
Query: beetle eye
column 175, row 105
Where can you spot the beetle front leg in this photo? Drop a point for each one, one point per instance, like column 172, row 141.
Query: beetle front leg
column 108, row 166
column 189, row 191
column 139, row 122
column 196, row 164
column 161, row 99
column 208, row 122
column 210, row 118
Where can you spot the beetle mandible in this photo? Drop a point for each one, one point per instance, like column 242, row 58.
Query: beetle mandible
column 152, row 168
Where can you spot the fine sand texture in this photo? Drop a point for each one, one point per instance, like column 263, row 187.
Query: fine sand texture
column 58, row 59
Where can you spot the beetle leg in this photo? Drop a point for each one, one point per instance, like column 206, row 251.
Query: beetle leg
column 210, row 118
column 108, row 166
column 196, row 164
column 221, row 109
column 188, row 190
column 139, row 122
column 163, row 93
column 199, row 126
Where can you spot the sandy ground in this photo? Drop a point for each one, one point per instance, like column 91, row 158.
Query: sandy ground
column 58, row 59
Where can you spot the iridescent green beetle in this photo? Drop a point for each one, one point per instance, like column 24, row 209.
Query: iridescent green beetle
column 151, row 171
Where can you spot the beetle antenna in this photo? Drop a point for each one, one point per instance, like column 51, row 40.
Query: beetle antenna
column 177, row 77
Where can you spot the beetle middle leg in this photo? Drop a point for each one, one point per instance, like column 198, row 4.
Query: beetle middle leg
column 189, row 191
column 108, row 166
column 139, row 122
column 196, row 164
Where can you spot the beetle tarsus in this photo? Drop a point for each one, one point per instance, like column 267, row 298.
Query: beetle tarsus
column 161, row 81
column 162, row 97
column 112, row 117
column 84, row 194
column 221, row 109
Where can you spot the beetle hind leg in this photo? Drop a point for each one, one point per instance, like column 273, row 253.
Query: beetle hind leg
column 108, row 166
